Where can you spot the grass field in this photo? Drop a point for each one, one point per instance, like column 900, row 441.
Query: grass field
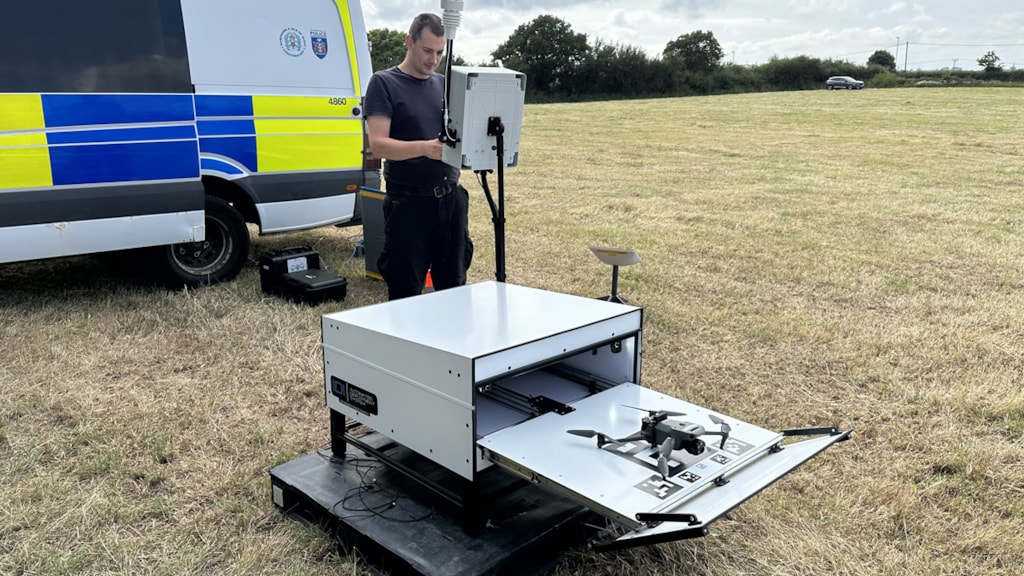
column 810, row 258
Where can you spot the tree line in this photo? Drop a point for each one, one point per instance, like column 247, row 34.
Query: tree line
column 561, row 65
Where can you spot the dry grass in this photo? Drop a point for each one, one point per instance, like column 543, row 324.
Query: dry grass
column 809, row 258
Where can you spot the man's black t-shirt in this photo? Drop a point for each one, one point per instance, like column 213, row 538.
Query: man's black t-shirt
column 414, row 106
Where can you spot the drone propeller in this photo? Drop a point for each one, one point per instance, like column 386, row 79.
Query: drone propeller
column 656, row 413
column 602, row 438
column 663, row 453
column 723, row 432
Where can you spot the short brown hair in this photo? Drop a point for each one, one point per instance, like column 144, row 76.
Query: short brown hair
column 426, row 20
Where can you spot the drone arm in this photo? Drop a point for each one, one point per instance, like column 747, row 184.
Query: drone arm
column 602, row 438
column 724, row 434
column 632, row 437
column 726, row 429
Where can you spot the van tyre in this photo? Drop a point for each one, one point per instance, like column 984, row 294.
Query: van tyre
column 218, row 258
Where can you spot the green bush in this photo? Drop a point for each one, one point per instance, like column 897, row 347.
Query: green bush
column 885, row 79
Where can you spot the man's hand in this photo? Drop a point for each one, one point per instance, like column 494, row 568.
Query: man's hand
column 433, row 149
column 382, row 145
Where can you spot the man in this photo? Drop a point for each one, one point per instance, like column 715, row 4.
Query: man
column 425, row 209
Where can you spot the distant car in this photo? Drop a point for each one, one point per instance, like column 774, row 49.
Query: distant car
column 837, row 82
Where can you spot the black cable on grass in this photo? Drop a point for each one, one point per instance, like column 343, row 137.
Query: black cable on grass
column 356, row 499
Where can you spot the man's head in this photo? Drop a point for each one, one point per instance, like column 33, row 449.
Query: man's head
column 423, row 22
column 424, row 45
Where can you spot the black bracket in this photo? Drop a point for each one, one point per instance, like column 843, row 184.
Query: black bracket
column 646, row 517
column 495, row 127
column 545, row 405
column 822, row 431
column 829, row 430
column 450, row 137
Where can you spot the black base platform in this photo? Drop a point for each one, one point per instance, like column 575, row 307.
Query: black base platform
column 399, row 528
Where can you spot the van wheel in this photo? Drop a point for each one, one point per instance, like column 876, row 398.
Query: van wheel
column 218, row 258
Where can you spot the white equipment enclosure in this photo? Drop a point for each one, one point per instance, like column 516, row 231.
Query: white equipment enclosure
column 494, row 376
column 483, row 101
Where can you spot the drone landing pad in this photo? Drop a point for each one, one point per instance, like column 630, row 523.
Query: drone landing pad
column 620, row 480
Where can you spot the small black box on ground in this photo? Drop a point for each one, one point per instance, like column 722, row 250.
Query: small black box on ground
column 275, row 263
column 312, row 286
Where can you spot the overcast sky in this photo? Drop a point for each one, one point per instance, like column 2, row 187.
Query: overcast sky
column 940, row 32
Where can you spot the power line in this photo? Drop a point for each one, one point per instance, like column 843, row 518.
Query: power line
column 918, row 63
column 923, row 62
column 854, row 53
column 969, row 45
column 871, row 50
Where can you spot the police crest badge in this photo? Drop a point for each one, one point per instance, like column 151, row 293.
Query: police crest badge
column 318, row 38
column 292, row 42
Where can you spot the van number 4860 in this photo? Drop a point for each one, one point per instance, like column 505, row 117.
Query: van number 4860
column 337, row 101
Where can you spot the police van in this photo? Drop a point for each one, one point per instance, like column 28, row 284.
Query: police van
column 171, row 124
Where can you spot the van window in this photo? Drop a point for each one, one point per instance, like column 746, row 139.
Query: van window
column 134, row 46
column 246, row 47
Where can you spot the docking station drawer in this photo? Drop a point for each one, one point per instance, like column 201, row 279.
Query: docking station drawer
column 619, row 476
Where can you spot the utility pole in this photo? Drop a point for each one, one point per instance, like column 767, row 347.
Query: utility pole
column 896, row 60
column 906, row 52
column 954, row 63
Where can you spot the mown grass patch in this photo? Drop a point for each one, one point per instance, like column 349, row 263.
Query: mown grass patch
column 809, row 258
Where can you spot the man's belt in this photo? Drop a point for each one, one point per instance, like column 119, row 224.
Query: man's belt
column 438, row 191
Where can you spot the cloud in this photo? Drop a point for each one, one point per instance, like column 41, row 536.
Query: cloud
column 894, row 8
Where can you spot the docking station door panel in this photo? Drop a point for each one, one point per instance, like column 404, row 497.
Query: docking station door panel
column 621, row 479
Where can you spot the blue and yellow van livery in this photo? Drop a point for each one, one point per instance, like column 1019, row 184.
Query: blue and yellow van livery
column 264, row 143
column 82, row 173
column 172, row 123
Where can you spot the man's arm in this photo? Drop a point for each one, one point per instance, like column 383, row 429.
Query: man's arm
column 382, row 145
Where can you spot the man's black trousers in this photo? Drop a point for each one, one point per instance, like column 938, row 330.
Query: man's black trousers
column 425, row 229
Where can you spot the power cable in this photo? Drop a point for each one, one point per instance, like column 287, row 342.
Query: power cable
column 370, row 498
